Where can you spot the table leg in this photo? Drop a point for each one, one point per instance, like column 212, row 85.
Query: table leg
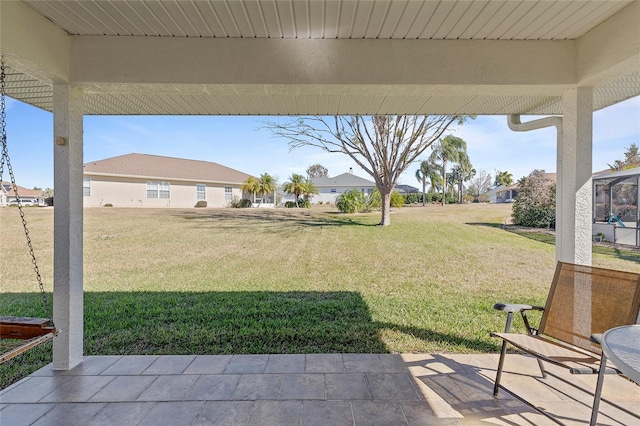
column 596, row 396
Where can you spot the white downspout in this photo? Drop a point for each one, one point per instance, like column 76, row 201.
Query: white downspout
column 517, row 126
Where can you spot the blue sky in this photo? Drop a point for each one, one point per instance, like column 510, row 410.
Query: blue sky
column 238, row 142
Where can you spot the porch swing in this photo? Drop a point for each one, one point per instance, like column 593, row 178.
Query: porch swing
column 19, row 334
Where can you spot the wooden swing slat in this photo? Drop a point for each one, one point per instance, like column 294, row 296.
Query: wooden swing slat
column 26, row 346
column 24, row 328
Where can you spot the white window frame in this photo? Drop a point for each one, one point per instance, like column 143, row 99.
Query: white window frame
column 228, row 194
column 86, row 186
column 158, row 190
column 201, row 191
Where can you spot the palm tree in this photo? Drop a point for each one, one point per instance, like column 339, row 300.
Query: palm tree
column 447, row 150
column 309, row 189
column 503, row 178
column 251, row 185
column 266, row 185
column 427, row 170
column 294, row 186
column 462, row 172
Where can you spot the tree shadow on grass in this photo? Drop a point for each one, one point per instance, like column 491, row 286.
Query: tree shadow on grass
column 266, row 218
column 256, row 322
column 486, row 224
column 630, row 254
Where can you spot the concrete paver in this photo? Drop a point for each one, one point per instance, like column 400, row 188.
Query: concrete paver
column 313, row 389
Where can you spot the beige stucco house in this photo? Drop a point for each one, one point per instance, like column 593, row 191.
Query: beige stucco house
column 28, row 197
column 142, row 180
column 330, row 188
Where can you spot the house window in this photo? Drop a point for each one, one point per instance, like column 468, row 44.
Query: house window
column 86, row 186
column 164, row 189
column 228, row 194
column 333, row 190
column 158, row 190
column 201, row 192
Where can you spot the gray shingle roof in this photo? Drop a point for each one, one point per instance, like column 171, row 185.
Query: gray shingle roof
column 345, row 179
column 159, row 167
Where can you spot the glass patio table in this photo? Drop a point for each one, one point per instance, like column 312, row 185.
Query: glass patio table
column 621, row 345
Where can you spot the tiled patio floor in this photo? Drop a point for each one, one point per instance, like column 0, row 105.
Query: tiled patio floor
column 329, row 389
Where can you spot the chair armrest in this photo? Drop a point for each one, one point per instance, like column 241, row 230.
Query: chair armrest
column 510, row 308
column 514, row 307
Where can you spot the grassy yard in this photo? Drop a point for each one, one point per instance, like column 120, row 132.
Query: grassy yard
column 212, row 281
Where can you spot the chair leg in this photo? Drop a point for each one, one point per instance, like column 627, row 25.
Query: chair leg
column 532, row 332
column 598, row 392
column 503, row 353
column 542, row 370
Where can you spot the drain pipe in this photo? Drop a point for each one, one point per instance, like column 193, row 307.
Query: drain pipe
column 517, row 126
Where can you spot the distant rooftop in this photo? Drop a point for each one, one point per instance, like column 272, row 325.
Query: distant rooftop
column 345, row 179
column 159, row 167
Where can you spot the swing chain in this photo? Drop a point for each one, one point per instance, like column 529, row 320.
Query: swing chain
column 5, row 158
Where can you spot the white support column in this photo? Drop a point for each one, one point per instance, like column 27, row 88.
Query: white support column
column 574, row 187
column 68, row 309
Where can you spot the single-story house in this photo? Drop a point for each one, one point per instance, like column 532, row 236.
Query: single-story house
column 407, row 189
column 142, row 180
column 330, row 188
column 28, row 197
column 493, row 193
column 509, row 193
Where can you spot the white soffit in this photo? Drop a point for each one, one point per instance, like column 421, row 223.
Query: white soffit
column 319, row 19
column 331, row 19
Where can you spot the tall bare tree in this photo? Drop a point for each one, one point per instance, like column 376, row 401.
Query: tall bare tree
column 317, row 171
column 383, row 146
column 480, row 183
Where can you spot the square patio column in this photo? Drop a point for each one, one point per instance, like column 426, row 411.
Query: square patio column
column 574, row 199
column 68, row 303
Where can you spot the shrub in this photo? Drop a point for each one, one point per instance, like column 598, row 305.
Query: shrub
column 535, row 205
column 483, row 198
column 469, row 199
column 201, row 203
column 320, row 202
column 413, row 198
column 48, row 201
column 290, row 204
column 374, row 202
column 397, row 200
column 304, row 203
column 108, row 205
column 241, row 204
column 351, row 201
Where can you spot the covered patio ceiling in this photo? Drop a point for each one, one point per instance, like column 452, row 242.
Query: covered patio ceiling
column 298, row 57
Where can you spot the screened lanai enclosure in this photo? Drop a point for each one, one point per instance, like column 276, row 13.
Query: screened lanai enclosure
column 615, row 206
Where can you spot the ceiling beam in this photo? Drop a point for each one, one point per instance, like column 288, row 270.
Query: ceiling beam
column 33, row 45
column 611, row 50
column 547, row 66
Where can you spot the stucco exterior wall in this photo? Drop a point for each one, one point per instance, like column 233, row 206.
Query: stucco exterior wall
column 132, row 192
column 326, row 196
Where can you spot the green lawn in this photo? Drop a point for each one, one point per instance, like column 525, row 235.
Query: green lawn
column 212, row 281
